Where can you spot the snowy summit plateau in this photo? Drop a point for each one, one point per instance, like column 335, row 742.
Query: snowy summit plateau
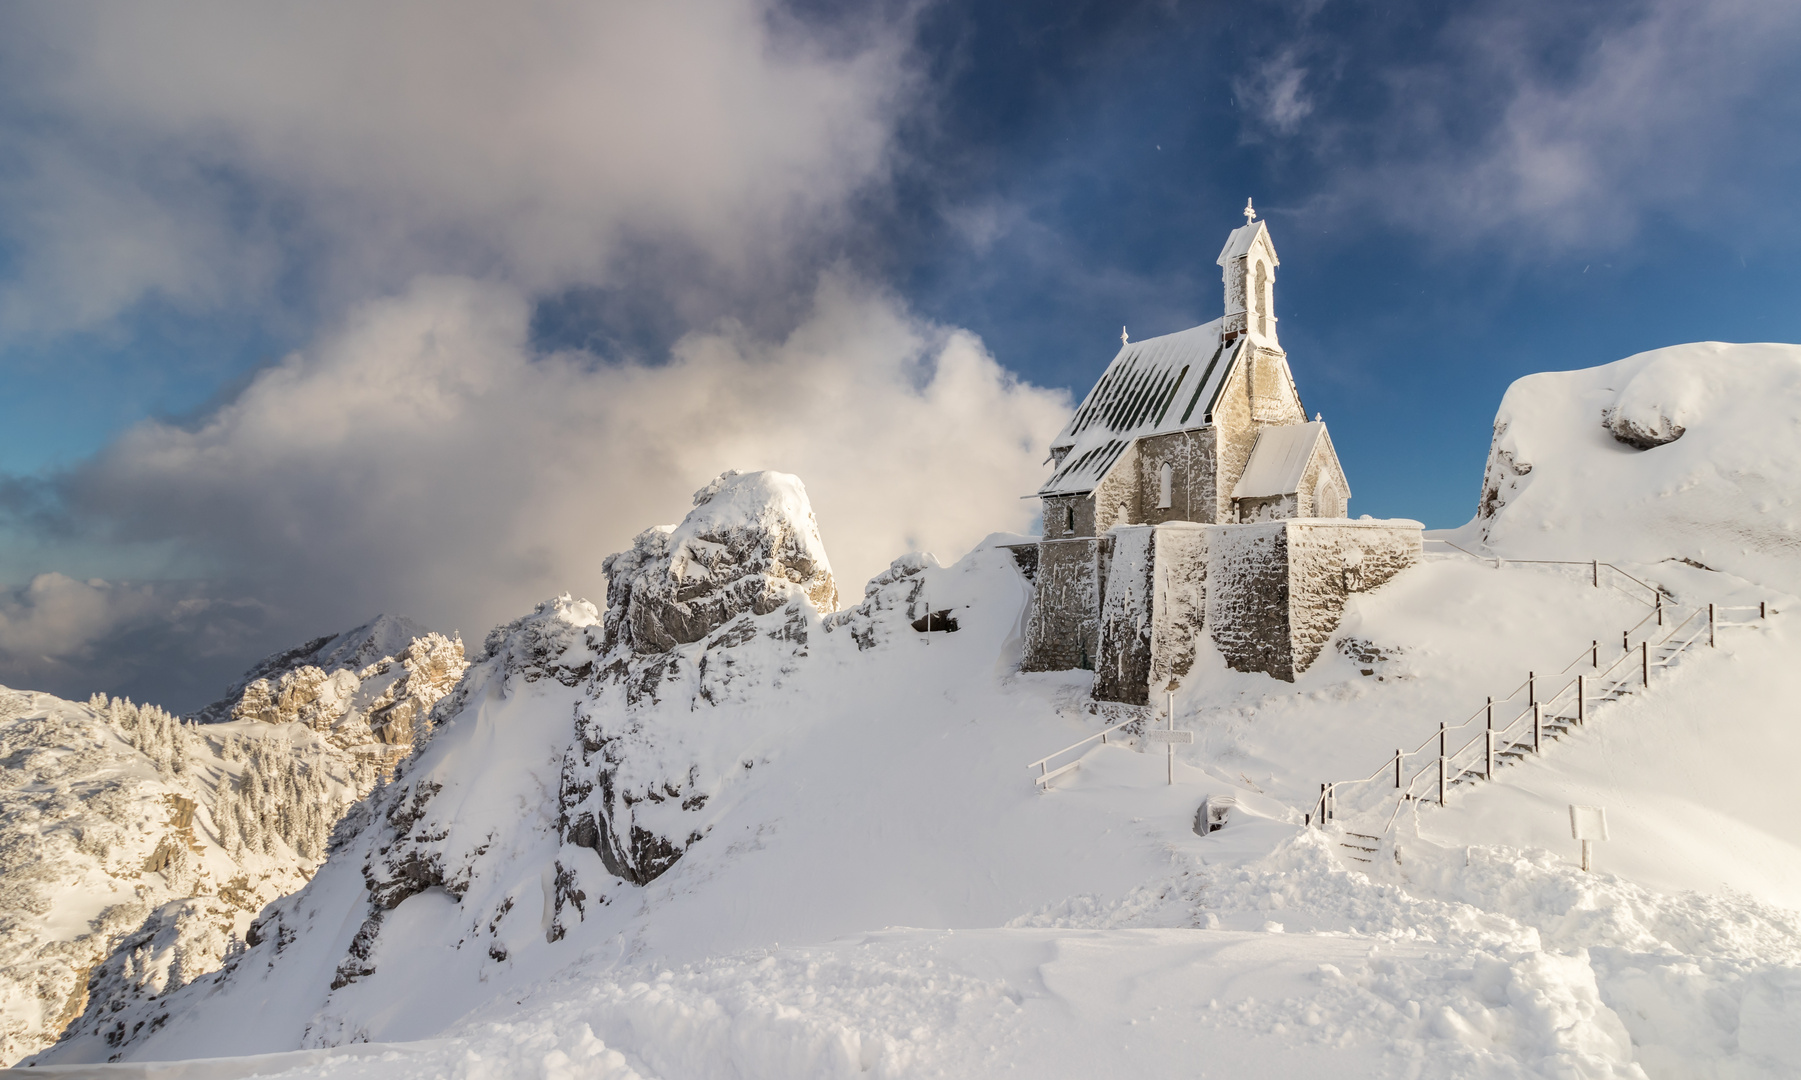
column 1209, row 779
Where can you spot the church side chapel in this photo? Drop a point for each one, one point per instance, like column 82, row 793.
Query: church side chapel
column 1191, row 494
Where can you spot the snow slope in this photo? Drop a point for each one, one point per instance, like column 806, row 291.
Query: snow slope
column 713, row 831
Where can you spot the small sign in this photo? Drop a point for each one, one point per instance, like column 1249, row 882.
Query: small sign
column 1588, row 823
column 1166, row 736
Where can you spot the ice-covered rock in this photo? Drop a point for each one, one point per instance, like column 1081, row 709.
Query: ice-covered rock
column 748, row 546
column 1684, row 453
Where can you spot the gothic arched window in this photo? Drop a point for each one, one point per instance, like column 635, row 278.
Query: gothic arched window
column 1166, row 482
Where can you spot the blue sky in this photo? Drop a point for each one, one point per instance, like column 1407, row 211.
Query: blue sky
column 1460, row 194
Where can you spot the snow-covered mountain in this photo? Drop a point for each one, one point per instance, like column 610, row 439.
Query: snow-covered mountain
column 366, row 690
column 135, row 847
column 721, row 830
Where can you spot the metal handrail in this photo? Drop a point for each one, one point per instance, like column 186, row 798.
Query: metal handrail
column 1447, row 762
column 1042, row 764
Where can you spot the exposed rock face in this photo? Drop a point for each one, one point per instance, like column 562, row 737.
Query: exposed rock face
column 698, row 614
column 1641, row 431
column 366, row 690
column 749, row 543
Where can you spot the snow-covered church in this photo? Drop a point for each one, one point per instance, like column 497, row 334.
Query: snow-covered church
column 1192, row 495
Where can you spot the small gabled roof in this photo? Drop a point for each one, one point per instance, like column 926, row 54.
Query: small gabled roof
column 1240, row 240
column 1278, row 460
column 1153, row 386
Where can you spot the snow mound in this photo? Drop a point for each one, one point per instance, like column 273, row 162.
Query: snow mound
column 1683, row 453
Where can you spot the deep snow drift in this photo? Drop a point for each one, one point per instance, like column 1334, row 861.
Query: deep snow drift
column 727, row 833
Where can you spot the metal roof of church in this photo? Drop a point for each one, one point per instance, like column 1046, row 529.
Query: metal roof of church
column 1279, row 459
column 1160, row 384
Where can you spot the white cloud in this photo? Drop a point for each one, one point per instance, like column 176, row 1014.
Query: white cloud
column 1550, row 131
column 215, row 153
column 420, row 459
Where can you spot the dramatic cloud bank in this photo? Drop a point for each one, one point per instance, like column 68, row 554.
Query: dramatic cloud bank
column 214, row 153
column 421, row 458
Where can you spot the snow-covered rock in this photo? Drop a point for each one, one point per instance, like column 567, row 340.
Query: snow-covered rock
column 749, row 543
column 1685, row 453
column 365, row 690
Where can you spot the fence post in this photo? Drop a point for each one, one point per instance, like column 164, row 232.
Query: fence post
column 1710, row 643
column 1491, row 712
column 1531, row 688
column 1625, row 641
column 1537, row 727
column 1660, row 609
column 1595, row 569
column 1397, row 770
column 1441, row 779
column 1488, row 762
column 1582, row 699
column 1644, row 660
column 1760, row 611
column 1594, row 648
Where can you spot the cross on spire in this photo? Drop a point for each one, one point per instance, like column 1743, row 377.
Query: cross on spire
column 1250, row 214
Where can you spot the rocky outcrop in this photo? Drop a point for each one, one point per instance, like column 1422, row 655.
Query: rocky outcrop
column 367, row 690
column 748, row 546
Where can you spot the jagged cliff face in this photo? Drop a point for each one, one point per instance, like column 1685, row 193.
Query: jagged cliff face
column 721, row 610
column 135, row 848
column 748, row 546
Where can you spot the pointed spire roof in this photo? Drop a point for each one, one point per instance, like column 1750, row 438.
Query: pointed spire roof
column 1240, row 239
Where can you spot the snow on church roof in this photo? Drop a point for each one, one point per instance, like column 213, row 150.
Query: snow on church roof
column 1160, row 384
column 1239, row 241
column 1278, row 460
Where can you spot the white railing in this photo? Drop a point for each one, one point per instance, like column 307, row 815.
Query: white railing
column 1046, row 774
column 1525, row 732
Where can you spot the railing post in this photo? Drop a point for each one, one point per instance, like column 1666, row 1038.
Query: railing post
column 1710, row 643
column 1441, row 779
column 1760, row 611
column 1625, row 641
column 1491, row 712
column 1660, row 609
column 1488, row 757
column 1644, row 660
column 1397, row 770
column 1594, row 647
column 1531, row 688
column 1537, row 727
column 1595, row 569
column 1582, row 699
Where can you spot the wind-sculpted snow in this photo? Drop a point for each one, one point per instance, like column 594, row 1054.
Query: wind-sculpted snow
column 1688, row 452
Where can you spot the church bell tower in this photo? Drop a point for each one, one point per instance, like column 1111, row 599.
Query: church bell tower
column 1248, row 268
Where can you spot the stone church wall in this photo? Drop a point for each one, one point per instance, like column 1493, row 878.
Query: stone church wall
column 1192, row 454
column 1247, row 597
column 1331, row 558
column 1124, row 668
column 1179, row 599
column 1063, row 630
